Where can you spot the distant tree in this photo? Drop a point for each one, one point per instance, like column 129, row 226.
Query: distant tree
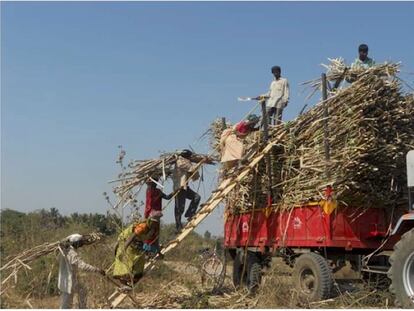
column 219, row 245
column 57, row 218
column 12, row 222
column 74, row 217
column 54, row 213
column 51, row 219
column 107, row 224
column 207, row 235
column 84, row 218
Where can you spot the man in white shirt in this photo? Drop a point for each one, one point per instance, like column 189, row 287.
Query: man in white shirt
column 69, row 264
column 277, row 97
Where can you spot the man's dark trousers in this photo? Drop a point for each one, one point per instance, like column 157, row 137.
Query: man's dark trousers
column 180, row 205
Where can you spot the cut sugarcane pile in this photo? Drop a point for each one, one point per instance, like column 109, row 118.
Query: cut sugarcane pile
column 370, row 131
column 337, row 69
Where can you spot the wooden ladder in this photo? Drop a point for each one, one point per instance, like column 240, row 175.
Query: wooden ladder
column 218, row 195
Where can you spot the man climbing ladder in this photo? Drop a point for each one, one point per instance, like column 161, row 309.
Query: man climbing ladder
column 222, row 191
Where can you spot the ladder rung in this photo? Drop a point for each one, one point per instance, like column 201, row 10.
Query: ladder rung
column 217, row 190
column 113, row 295
column 118, row 300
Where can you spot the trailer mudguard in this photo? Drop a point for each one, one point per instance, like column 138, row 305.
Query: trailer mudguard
column 404, row 224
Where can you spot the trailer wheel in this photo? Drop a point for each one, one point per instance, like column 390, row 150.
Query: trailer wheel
column 312, row 277
column 239, row 272
column 401, row 272
column 254, row 272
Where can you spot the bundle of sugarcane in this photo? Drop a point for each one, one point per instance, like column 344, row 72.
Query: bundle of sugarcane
column 140, row 170
column 338, row 70
column 252, row 191
column 22, row 260
column 216, row 129
column 370, row 130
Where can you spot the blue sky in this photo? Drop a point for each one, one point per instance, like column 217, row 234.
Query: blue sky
column 79, row 79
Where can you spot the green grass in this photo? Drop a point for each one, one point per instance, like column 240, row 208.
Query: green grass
column 21, row 231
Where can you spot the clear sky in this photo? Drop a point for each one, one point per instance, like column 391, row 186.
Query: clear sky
column 79, row 79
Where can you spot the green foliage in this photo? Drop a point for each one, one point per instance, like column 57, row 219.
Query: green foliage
column 189, row 248
column 219, row 244
column 207, row 235
column 21, row 231
column 107, row 224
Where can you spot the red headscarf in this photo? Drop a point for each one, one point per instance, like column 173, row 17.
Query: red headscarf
column 242, row 128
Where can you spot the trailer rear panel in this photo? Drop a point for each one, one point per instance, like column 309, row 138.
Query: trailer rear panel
column 307, row 227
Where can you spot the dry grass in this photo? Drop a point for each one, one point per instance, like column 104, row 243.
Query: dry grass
column 278, row 291
column 177, row 286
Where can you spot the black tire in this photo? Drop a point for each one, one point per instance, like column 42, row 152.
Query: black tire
column 401, row 272
column 312, row 277
column 239, row 272
column 254, row 272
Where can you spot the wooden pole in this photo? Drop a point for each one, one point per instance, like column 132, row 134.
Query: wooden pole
column 265, row 123
column 325, row 125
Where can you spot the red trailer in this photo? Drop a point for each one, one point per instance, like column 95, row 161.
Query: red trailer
column 317, row 241
column 308, row 226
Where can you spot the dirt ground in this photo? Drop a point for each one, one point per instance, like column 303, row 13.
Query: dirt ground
column 177, row 284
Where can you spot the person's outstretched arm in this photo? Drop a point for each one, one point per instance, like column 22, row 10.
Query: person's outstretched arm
column 167, row 196
column 75, row 259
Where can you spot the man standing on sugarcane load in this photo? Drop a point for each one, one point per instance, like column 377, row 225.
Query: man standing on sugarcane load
column 69, row 264
column 182, row 171
column 277, row 97
column 363, row 61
